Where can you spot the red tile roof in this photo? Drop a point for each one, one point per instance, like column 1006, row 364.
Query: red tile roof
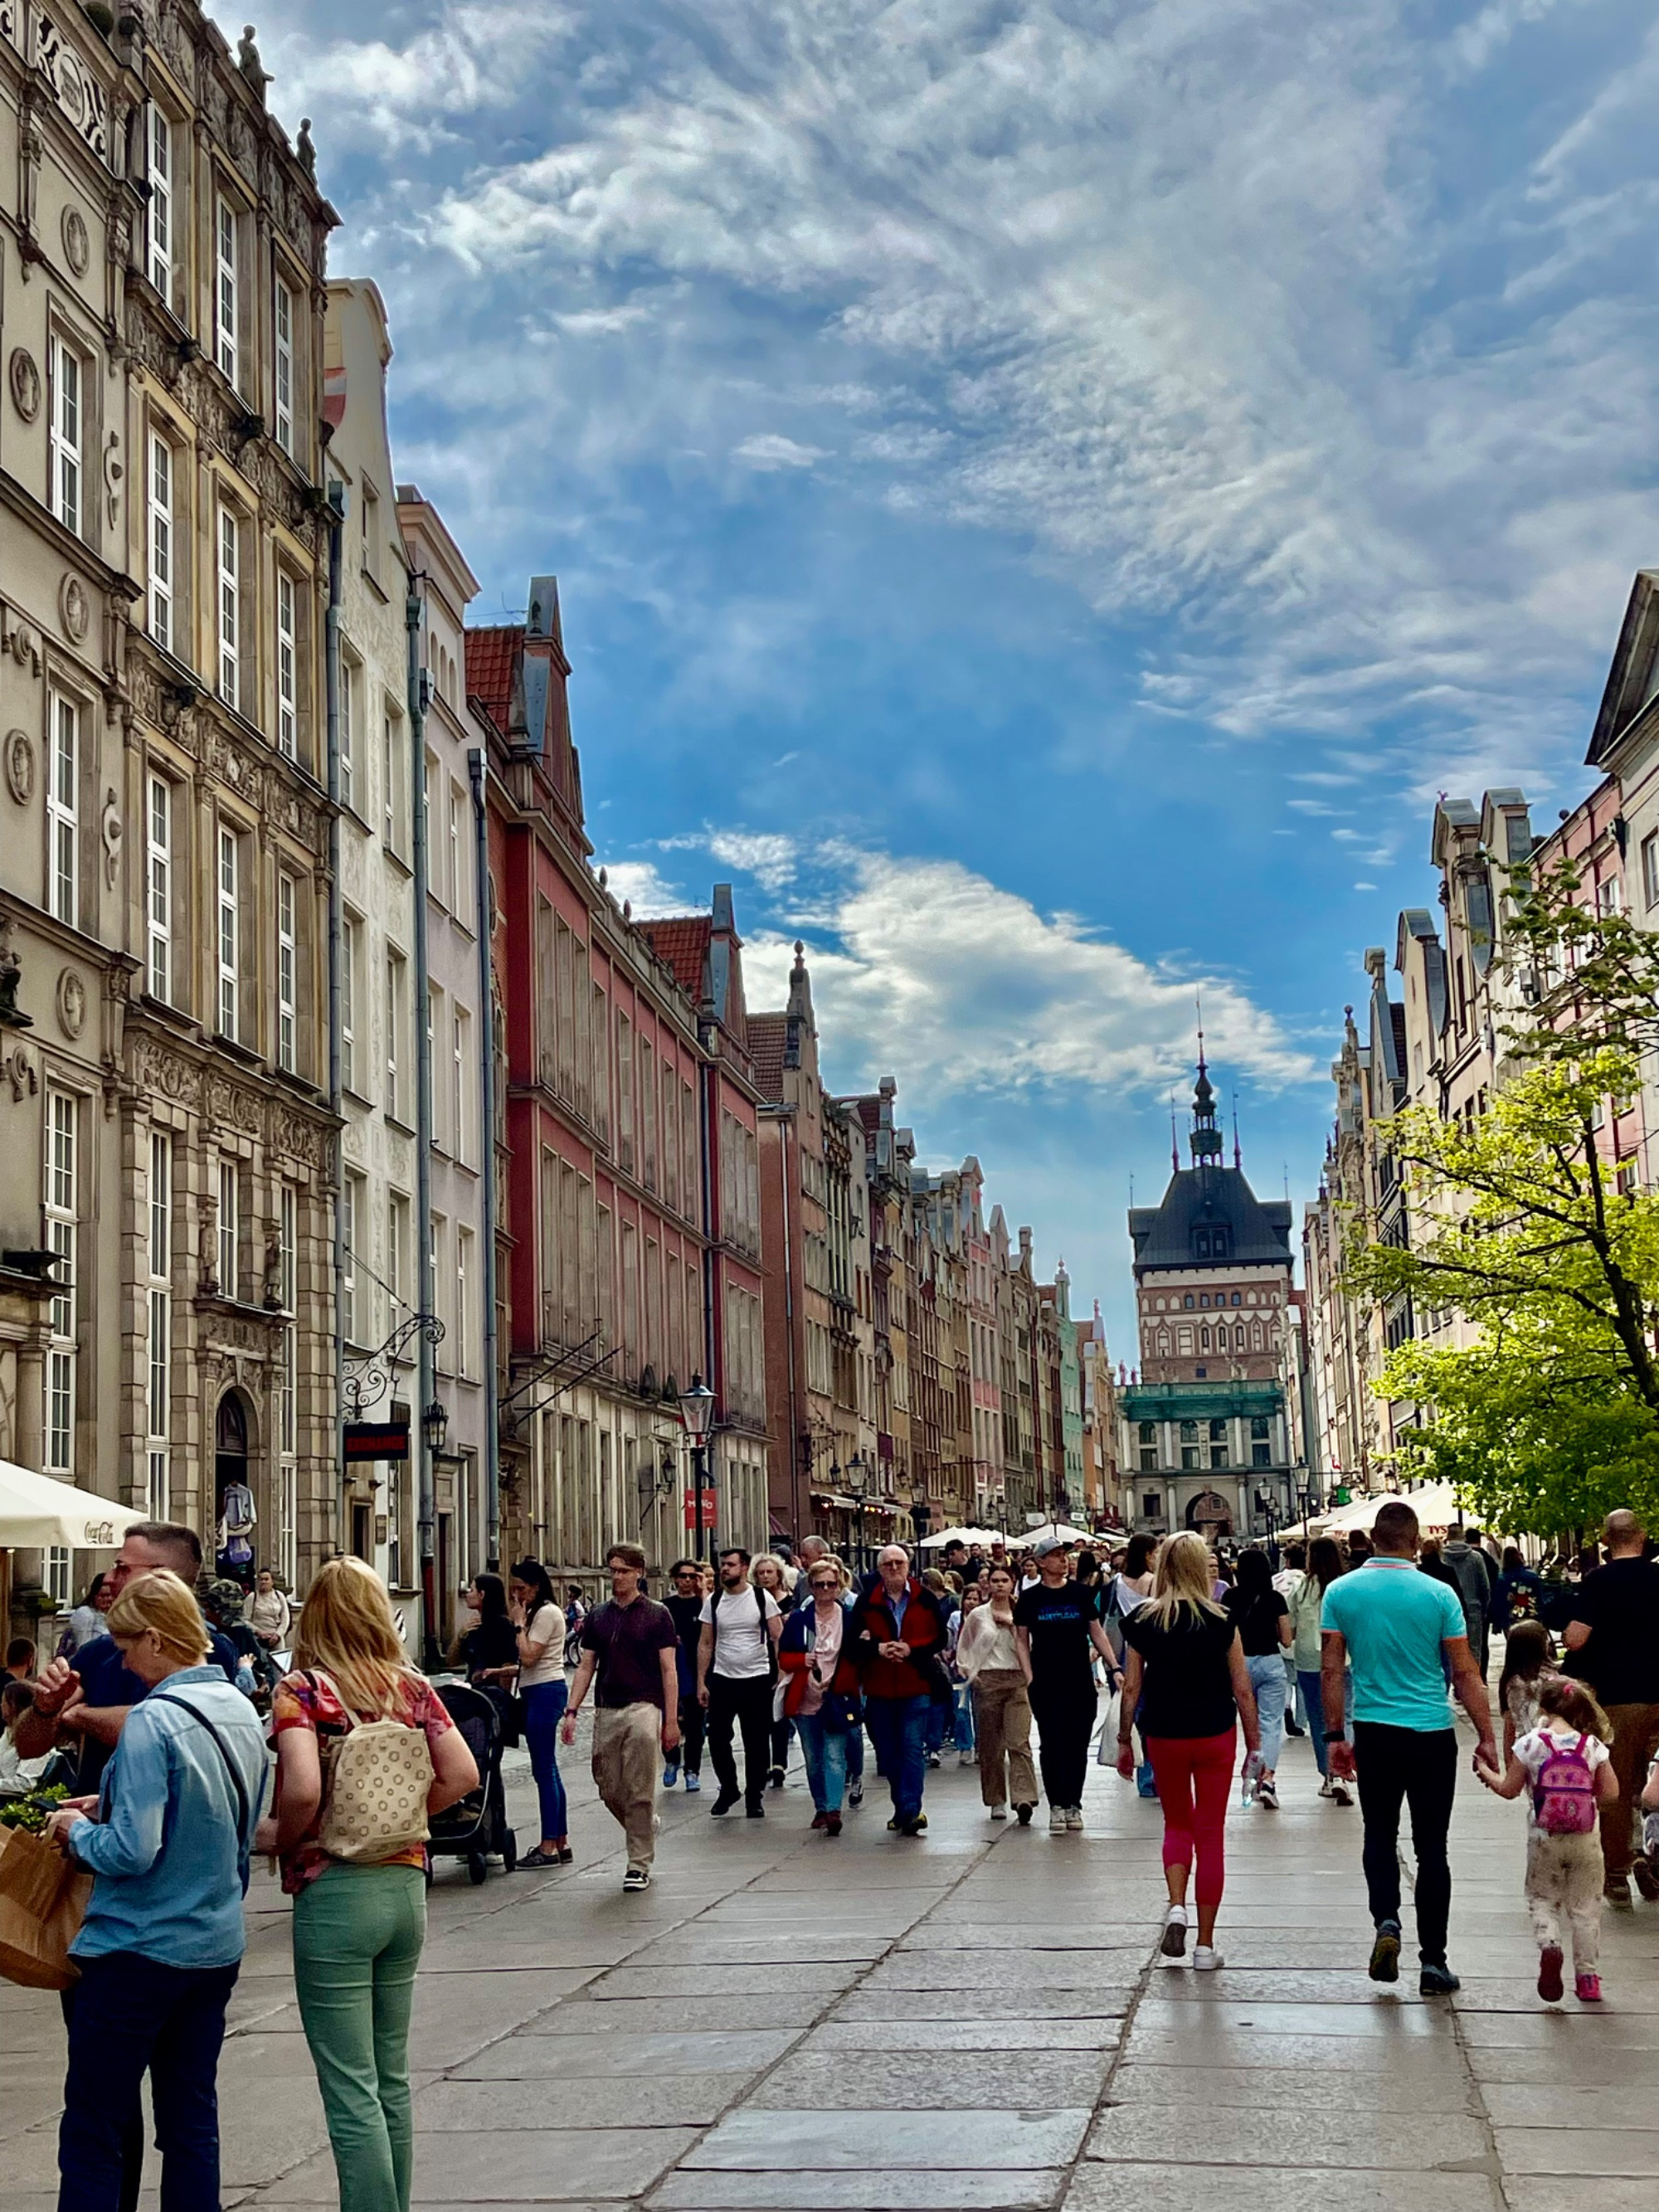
column 681, row 941
column 490, row 656
column 768, row 1035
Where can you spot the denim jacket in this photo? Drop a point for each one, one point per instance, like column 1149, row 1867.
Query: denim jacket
column 166, row 1852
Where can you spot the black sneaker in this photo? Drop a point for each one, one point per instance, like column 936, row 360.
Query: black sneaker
column 916, row 1827
column 724, row 1801
column 775, row 1777
column 1022, row 1815
column 756, row 1811
column 1436, row 1979
column 1646, row 1879
column 1385, row 1953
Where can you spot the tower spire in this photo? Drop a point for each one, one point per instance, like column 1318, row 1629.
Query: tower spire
column 1238, row 1156
column 1206, row 1139
column 1175, row 1142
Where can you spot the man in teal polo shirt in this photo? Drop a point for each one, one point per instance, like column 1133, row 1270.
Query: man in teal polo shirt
column 1393, row 1625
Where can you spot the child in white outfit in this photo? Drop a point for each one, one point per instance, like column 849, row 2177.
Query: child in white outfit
column 1565, row 1766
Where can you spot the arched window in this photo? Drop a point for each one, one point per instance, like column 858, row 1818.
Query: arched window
column 1255, row 1336
column 1188, row 1301
column 1238, row 1336
column 1164, row 1343
column 1204, row 1340
column 1235, row 1298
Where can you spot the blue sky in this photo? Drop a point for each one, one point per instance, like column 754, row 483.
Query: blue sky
column 1044, row 492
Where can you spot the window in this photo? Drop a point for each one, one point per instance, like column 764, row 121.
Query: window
column 371, row 511
column 158, row 225
column 57, row 1576
column 288, row 963
column 226, row 287
column 460, row 1119
column 160, row 542
column 1259, row 1428
column 160, row 1302
column 1650, row 870
column 62, row 811
column 353, row 1214
column 1261, row 1455
column 283, row 329
column 1189, row 1456
column 349, row 936
column 396, row 1000
column 63, row 1210
column 457, row 885
column 288, row 687
column 230, row 934
column 230, row 1238
column 348, row 732
column 1152, row 1503
column 1609, row 898
column 230, row 608
column 66, row 377
column 392, row 806
column 1148, row 1459
column 159, row 888
column 466, row 1341
column 397, row 1253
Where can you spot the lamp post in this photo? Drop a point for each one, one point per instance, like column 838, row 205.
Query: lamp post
column 697, row 1412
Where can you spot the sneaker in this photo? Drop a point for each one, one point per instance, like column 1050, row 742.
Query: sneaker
column 724, row 1802
column 916, row 1827
column 670, row 1774
column 1074, row 1816
column 534, row 1862
column 693, row 1784
column 1056, row 1820
column 1587, row 1988
column 756, row 1811
column 775, row 1777
column 1022, row 1815
column 1206, row 1960
column 999, row 1812
column 1646, row 1879
column 1551, row 1987
column 1292, row 1728
column 1342, row 1793
column 855, row 1790
column 636, row 1878
column 1385, row 1953
column 1173, row 1944
column 1267, row 1796
column 818, row 1818
column 1616, row 1890
column 932, row 1758
column 1435, row 1979
column 967, row 1758
column 1325, row 1789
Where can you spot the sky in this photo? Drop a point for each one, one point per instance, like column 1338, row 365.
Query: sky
column 1045, row 493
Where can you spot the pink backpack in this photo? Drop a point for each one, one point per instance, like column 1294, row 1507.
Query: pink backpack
column 1563, row 1796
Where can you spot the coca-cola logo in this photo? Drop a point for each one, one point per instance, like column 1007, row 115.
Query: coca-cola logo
column 99, row 1536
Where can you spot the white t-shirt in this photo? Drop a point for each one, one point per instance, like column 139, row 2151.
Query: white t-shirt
column 548, row 1627
column 740, row 1639
column 1543, row 1743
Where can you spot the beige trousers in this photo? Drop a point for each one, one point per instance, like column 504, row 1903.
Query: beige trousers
column 1002, row 1716
column 1564, row 1881
column 627, row 1745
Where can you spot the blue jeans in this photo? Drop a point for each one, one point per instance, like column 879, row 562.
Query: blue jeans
column 965, row 1739
column 1313, row 1698
column 133, row 2015
column 855, row 1751
column 824, row 1750
column 898, row 1729
column 937, row 1715
column 1267, row 1680
column 543, row 1708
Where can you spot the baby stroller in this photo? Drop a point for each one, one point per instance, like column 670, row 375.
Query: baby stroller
column 476, row 1826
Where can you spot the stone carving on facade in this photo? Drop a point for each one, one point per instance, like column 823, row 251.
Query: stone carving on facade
column 305, row 151
column 77, row 243
column 76, row 608
column 271, row 1284
column 79, row 95
column 20, row 638
column 158, row 1071
column 25, row 381
column 113, row 472
column 206, row 1246
column 232, row 1108
column 20, row 766
column 300, row 1139
column 247, row 60
column 71, row 1003
column 20, row 1067
column 11, row 974
column 111, row 827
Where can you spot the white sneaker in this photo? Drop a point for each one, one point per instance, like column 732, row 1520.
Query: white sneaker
column 1057, row 1819
column 1342, row 1793
column 1074, row 1816
column 1173, row 1944
column 1325, row 1788
column 1206, row 1960
column 636, row 1878
column 999, row 1812
column 1267, row 1796
column 855, row 1791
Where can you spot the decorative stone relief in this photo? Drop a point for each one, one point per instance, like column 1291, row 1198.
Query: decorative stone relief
column 157, row 1069
column 300, row 1139
column 20, row 766
column 71, row 1004
column 77, row 245
column 20, row 1067
column 20, row 639
column 76, row 609
column 234, row 1107
column 76, row 90
column 113, row 829
column 113, row 472
column 25, row 380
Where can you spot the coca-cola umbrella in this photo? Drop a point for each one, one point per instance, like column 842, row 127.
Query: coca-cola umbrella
column 39, row 1512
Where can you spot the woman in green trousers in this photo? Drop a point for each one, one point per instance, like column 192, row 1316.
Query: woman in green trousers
column 358, row 1922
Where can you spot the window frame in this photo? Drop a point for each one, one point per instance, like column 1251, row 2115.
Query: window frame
column 227, row 570
column 66, row 422
column 61, row 1191
column 287, row 665
column 159, row 210
column 282, row 360
column 349, row 927
column 158, row 1395
column 63, row 807
column 227, row 1254
column 227, row 285
column 158, row 887
column 227, row 933
column 160, row 527
column 288, row 971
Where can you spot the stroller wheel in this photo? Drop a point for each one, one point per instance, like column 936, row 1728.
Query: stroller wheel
column 478, row 1866
column 509, row 1849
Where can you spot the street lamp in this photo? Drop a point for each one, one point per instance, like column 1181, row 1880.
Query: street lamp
column 857, row 1475
column 697, row 1412
column 434, row 1426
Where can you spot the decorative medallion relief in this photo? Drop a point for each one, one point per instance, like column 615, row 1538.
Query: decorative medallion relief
column 25, row 381
column 111, row 828
column 71, row 1004
column 76, row 608
column 20, row 766
column 77, row 245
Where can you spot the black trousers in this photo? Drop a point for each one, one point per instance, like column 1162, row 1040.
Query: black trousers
column 1064, row 1710
column 1416, row 1768
column 693, row 1723
column 748, row 1706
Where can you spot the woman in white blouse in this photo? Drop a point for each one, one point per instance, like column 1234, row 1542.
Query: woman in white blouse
column 988, row 1656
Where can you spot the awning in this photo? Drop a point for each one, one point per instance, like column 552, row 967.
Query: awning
column 38, row 1511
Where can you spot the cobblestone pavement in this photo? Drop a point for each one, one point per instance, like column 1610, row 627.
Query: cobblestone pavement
column 974, row 2020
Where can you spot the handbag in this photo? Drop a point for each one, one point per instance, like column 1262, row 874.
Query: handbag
column 43, row 1901
column 376, row 1780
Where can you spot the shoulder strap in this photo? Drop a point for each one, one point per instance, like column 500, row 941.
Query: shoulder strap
column 244, row 1835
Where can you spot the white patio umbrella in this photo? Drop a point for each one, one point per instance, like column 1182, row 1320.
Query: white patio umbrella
column 1052, row 1531
column 37, row 1511
column 968, row 1536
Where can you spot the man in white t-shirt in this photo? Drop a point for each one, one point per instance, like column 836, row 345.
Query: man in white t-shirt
column 736, row 1669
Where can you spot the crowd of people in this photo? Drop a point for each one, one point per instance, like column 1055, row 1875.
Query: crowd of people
column 146, row 1712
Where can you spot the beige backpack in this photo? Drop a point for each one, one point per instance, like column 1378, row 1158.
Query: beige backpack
column 376, row 1778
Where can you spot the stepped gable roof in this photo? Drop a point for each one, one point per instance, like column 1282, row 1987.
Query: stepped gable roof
column 1166, row 1235
column 681, row 942
column 490, row 654
column 768, row 1039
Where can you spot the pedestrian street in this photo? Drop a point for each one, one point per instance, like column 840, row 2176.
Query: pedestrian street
column 973, row 2019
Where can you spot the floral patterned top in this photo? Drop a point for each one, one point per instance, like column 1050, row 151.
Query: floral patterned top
column 311, row 1701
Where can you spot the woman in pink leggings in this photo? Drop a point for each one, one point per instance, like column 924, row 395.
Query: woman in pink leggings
column 1187, row 1682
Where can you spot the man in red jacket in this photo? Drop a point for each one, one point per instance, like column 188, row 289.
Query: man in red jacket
column 899, row 1645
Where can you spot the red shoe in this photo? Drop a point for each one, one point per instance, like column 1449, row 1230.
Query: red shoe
column 819, row 1819
column 1587, row 1988
column 1550, row 1986
column 832, row 1824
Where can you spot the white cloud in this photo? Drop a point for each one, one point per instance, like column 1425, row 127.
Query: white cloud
column 766, row 450
column 646, row 891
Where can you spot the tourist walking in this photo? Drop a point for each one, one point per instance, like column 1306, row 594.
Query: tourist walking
column 900, row 1647
column 88, row 1621
column 1614, row 1637
column 684, row 1604
column 767, row 1573
column 1472, row 1572
column 162, row 1943
column 988, row 1657
column 1565, row 1766
column 1263, row 1622
column 1187, row 1683
column 269, row 1613
column 1306, row 1602
column 1528, row 1662
column 354, row 1798
column 1057, row 1633
column 629, row 1644
column 537, row 1621
column 1397, row 1626
column 1518, row 1592
column 1132, row 1586
column 490, row 1648
column 820, row 1685
column 736, row 1669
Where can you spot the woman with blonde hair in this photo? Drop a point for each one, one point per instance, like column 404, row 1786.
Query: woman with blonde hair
column 766, row 1573
column 161, row 1944
column 1187, row 1678
column 359, row 1905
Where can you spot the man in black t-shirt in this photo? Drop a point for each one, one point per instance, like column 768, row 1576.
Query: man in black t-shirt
column 684, row 1603
column 630, row 1643
column 1056, row 1633
column 1615, row 1637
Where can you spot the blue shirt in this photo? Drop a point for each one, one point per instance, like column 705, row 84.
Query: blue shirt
column 167, row 1851
column 1394, row 1620
column 106, row 1679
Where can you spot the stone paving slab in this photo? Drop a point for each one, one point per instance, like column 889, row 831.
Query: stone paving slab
column 733, row 1982
column 1150, row 2188
column 1079, row 2003
column 1547, row 2105
column 662, row 2100
column 540, row 2057
column 1632, row 2152
column 912, row 2081
column 992, row 2032
column 1193, row 2133
column 693, row 2190
column 777, row 2008
column 1531, row 2193
column 1263, row 2088
column 931, row 2141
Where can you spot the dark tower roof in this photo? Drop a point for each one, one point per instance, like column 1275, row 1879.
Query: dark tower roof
column 1209, row 1216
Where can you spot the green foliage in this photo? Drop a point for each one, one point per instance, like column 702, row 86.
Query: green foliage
column 31, row 1811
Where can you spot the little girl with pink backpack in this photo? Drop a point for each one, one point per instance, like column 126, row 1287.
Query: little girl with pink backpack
column 1563, row 1767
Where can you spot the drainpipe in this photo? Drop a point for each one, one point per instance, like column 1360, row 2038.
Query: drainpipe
column 477, row 769
column 706, row 1117
column 336, row 499
column 427, row 1508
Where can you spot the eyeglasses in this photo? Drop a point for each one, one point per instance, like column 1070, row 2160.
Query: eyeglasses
column 826, row 1585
